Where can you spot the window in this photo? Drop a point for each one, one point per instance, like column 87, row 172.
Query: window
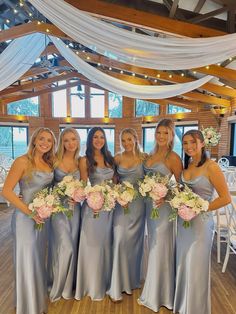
column 77, row 100
column 148, row 138
column 59, row 102
column 146, row 108
column 24, row 107
column 172, row 109
column 233, row 140
column 97, row 100
column 13, row 140
column 114, row 105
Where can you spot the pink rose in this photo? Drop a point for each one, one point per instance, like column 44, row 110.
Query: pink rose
column 95, row 200
column 159, row 191
column 44, row 211
column 78, row 195
column 186, row 212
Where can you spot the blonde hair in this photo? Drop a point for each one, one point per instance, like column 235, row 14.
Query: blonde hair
column 48, row 157
column 137, row 148
column 61, row 148
column 169, row 124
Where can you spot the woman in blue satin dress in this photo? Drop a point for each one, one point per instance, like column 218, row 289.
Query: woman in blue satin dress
column 193, row 245
column 159, row 284
column 33, row 171
column 95, row 248
column 64, row 231
column 128, row 230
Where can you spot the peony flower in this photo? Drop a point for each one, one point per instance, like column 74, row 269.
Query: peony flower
column 44, row 211
column 95, row 200
column 79, row 195
column 186, row 213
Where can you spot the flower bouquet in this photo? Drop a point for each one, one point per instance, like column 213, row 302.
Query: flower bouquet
column 45, row 204
column 125, row 194
column 156, row 187
column 101, row 197
column 211, row 136
column 187, row 205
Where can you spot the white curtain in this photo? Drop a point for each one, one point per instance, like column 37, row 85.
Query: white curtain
column 19, row 57
column 133, row 48
column 124, row 88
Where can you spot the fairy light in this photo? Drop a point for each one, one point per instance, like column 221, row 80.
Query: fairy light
column 194, row 72
column 110, row 68
column 7, row 21
column 30, row 14
column 88, row 58
column 77, row 52
column 133, row 74
column 47, row 30
column 158, row 75
column 170, row 76
column 145, row 76
column 182, row 74
column 99, row 64
column 121, row 72
column 21, row 4
column 39, row 23
column 230, row 59
column 15, row 11
column 155, row 81
column 207, row 67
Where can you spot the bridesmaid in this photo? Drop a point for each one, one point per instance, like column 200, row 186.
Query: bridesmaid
column 64, row 232
column 128, row 230
column 158, row 288
column 34, row 172
column 193, row 246
column 95, row 255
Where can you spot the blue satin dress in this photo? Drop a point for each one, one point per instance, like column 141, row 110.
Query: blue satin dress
column 128, row 236
column 63, row 247
column 193, row 247
column 159, row 284
column 30, row 250
column 95, row 248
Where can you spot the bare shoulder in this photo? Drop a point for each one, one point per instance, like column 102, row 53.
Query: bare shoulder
column 212, row 166
column 21, row 161
column 117, row 158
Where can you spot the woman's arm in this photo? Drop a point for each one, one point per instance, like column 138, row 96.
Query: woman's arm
column 217, row 179
column 83, row 168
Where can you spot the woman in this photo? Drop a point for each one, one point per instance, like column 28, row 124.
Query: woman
column 95, row 258
column 158, row 288
column 64, row 231
column 193, row 246
column 128, row 230
column 34, row 172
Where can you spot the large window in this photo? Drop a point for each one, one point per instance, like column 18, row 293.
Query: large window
column 115, row 105
column 97, row 102
column 59, row 102
column 24, row 107
column 146, row 108
column 13, row 140
column 148, row 138
column 172, row 109
column 77, row 98
column 233, row 140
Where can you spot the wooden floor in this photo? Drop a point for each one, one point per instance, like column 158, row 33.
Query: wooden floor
column 223, row 286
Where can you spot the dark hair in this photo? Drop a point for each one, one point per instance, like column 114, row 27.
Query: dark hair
column 108, row 159
column 169, row 124
column 196, row 134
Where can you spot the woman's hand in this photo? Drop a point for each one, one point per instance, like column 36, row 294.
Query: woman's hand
column 159, row 202
column 38, row 220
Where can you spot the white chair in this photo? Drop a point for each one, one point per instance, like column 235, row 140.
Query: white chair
column 231, row 236
column 3, row 175
column 223, row 162
column 6, row 161
column 221, row 229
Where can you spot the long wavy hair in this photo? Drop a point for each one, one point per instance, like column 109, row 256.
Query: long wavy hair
column 61, row 147
column 137, row 148
column 169, row 124
column 196, row 134
column 48, row 157
column 91, row 162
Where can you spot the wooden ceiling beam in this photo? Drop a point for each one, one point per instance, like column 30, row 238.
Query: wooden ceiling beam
column 218, row 71
column 206, row 16
column 199, row 6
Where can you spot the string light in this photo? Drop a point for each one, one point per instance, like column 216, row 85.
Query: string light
column 146, row 76
column 47, row 30
column 170, row 76
column 121, row 72
column 88, row 58
column 110, row 68
column 7, row 21
column 21, row 4
column 15, row 11
column 99, row 64
column 39, row 23
column 155, row 81
column 207, row 67
column 194, row 72
column 158, row 75
column 182, row 74
column 30, row 14
column 77, row 52
column 133, row 74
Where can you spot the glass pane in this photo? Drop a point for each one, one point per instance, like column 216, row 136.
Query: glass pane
column 179, row 132
column 148, row 139
column 59, row 103
column 77, row 98
column 19, row 141
column 97, row 101
column 234, row 136
column 25, row 107
column 175, row 109
column 6, row 140
column 83, row 137
column 146, row 108
column 115, row 105
column 110, row 136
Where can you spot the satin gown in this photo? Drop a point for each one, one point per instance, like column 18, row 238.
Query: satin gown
column 159, row 284
column 30, row 250
column 128, row 236
column 63, row 247
column 95, row 248
column 193, row 259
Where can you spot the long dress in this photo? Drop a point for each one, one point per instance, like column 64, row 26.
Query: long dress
column 63, row 247
column 158, row 288
column 128, row 236
column 95, row 247
column 30, row 250
column 193, row 247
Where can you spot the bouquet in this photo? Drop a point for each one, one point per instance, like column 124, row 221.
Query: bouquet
column 211, row 136
column 45, row 203
column 101, row 197
column 187, row 204
column 125, row 194
column 73, row 188
column 155, row 187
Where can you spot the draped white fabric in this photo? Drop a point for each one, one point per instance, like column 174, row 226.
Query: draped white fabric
column 19, row 57
column 133, row 48
column 124, row 88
